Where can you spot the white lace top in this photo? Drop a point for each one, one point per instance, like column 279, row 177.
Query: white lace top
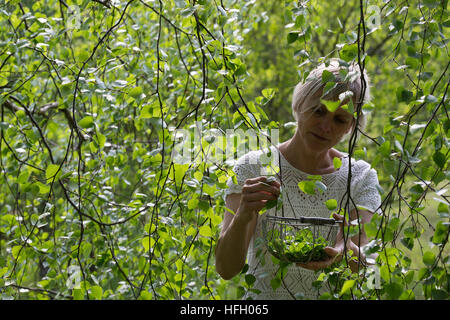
column 298, row 281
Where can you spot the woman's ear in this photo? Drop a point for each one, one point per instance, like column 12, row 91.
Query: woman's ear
column 352, row 126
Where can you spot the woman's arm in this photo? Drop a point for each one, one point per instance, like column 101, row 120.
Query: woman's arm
column 360, row 217
column 358, row 241
column 234, row 239
column 237, row 229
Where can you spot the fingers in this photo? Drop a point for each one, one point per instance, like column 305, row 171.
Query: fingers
column 339, row 217
column 331, row 252
column 266, row 180
column 260, row 185
column 257, row 196
column 334, row 254
column 257, row 191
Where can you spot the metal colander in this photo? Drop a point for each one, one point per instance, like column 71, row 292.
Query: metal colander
column 301, row 239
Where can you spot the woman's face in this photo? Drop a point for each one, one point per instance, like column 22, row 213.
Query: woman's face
column 321, row 129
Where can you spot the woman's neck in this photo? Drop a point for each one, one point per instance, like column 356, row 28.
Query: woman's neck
column 312, row 162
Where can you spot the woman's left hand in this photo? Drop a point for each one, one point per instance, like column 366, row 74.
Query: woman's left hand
column 335, row 253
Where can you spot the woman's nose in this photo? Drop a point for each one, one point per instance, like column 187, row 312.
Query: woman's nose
column 325, row 124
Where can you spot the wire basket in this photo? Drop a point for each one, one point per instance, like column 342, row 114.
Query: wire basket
column 299, row 240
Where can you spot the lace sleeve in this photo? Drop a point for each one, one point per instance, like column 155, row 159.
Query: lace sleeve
column 245, row 168
column 365, row 194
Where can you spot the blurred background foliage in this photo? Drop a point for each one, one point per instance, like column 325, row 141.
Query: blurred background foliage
column 94, row 206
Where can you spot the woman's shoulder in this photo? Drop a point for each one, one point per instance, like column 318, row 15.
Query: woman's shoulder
column 255, row 157
column 363, row 170
column 359, row 166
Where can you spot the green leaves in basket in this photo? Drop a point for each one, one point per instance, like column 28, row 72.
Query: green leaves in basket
column 300, row 247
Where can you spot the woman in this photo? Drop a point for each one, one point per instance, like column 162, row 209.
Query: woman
column 309, row 152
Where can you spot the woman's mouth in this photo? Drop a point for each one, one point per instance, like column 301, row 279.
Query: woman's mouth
column 319, row 137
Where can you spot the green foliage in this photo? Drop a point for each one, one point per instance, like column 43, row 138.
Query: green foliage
column 302, row 246
column 93, row 204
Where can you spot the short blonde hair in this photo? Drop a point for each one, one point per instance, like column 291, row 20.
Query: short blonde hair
column 347, row 78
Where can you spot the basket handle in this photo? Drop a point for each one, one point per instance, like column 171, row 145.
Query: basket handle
column 318, row 220
column 311, row 220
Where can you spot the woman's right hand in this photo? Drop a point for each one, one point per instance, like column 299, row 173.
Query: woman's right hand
column 255, row 194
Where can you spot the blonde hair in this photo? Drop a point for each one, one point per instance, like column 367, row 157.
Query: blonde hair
column 346, row 78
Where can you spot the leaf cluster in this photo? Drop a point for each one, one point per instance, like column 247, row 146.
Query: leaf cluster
column 299, row 247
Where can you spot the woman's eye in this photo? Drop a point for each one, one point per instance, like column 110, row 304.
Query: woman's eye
column 342, row 120
column 320, row 110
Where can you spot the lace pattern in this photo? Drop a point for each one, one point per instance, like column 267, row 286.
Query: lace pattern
column 298, row 281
